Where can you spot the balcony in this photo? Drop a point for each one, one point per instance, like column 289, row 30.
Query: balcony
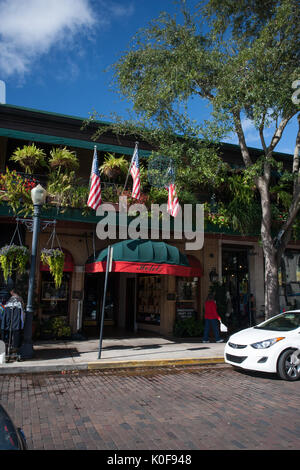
column 67, row 192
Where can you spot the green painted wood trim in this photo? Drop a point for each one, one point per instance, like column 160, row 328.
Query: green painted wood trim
column 50, row 139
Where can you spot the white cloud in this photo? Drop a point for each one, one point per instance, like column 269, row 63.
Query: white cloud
column 29, row 29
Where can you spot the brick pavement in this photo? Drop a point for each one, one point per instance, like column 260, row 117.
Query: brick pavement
column 167, row 409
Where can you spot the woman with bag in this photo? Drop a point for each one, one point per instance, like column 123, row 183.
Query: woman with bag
column 212, row 319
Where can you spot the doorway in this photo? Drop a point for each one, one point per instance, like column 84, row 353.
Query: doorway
column 92, row 305
column 236, row 278
column 130, row 303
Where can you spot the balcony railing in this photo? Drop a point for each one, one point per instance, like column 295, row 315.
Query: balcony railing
column 67, row 191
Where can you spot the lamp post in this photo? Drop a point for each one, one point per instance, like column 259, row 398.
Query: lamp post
column 38, row 196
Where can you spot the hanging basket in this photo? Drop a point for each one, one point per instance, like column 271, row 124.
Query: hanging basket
column 55, row 259
column 13, row 258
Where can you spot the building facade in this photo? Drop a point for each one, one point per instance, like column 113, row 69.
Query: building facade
column 136, row 299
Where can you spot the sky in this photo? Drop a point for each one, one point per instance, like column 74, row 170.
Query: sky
column 55, row 55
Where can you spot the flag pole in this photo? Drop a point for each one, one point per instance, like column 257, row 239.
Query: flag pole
column 136, row 145
column 108, row 269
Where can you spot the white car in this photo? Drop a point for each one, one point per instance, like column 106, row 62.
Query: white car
column 272, row 346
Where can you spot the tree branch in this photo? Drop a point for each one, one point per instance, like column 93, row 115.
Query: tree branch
column 241, row 136
column 278, row 133
column 261, row 132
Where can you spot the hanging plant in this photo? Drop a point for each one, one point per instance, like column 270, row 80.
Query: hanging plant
column 55, row 259
column 13, row 258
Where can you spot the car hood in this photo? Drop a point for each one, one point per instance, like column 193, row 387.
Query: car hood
column 253, row 335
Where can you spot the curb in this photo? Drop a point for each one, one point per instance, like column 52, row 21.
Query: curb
column 153, row 363
column 109, row 365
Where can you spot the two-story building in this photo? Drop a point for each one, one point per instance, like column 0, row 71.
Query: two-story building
column 152, row 281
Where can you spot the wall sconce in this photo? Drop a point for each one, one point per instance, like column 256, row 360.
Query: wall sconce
column 213, row 275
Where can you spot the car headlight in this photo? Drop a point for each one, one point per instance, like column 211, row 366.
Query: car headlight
column 266, row 343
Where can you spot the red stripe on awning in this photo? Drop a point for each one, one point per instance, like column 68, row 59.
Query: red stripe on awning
column 194, row 269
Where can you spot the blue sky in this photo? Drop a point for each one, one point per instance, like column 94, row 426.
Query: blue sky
column 54, row 53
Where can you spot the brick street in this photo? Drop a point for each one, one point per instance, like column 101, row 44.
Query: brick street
column 155, row 409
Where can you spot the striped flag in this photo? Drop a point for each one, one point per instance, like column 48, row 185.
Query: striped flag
column 135, row 173
column 94, row 199
column 173, row 202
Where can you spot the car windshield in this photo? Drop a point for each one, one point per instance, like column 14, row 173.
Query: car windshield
column 286, row 322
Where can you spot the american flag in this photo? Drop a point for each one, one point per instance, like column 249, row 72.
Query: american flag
column 135, row 173
column 173, row 202
column 94, row 199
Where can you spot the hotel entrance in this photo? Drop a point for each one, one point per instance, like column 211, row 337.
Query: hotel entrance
column 142, row 286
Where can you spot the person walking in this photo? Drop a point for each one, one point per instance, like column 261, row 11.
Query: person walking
column 212, row 319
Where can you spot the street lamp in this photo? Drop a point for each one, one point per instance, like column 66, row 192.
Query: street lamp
column 38, row 196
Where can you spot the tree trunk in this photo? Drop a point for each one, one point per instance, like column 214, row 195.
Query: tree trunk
column 272, row 306
column 270, row 250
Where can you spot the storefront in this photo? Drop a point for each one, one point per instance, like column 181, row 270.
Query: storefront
column 56, row 301
column 149, row 284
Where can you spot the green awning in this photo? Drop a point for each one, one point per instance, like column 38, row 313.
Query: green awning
column 146, row 257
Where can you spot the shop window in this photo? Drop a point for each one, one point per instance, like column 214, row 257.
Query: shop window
column 187, row 297
column 55, row 301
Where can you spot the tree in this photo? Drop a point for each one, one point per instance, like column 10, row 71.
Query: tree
column 241, row 57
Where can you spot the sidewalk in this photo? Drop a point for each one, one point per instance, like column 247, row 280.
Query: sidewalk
column 141, row 351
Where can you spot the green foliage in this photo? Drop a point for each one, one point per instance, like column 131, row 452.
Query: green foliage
column 29, row 157
column 13, row 258
column 63, row 159
column 16, row 192
column 114, row 166
column 244, row 66
column 187, row 327
column 55, row 259
column 56, row 327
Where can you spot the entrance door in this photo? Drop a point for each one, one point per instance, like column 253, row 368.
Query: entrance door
column 130, row 303
column 92, row 307
column 235, row 272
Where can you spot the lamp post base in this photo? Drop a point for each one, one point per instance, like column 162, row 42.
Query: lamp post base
column 26, row 351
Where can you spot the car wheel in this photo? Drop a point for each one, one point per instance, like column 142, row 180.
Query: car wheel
column 289, row 365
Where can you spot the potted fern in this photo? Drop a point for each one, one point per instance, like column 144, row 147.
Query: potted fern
column 63, row 158
column 29, row 157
